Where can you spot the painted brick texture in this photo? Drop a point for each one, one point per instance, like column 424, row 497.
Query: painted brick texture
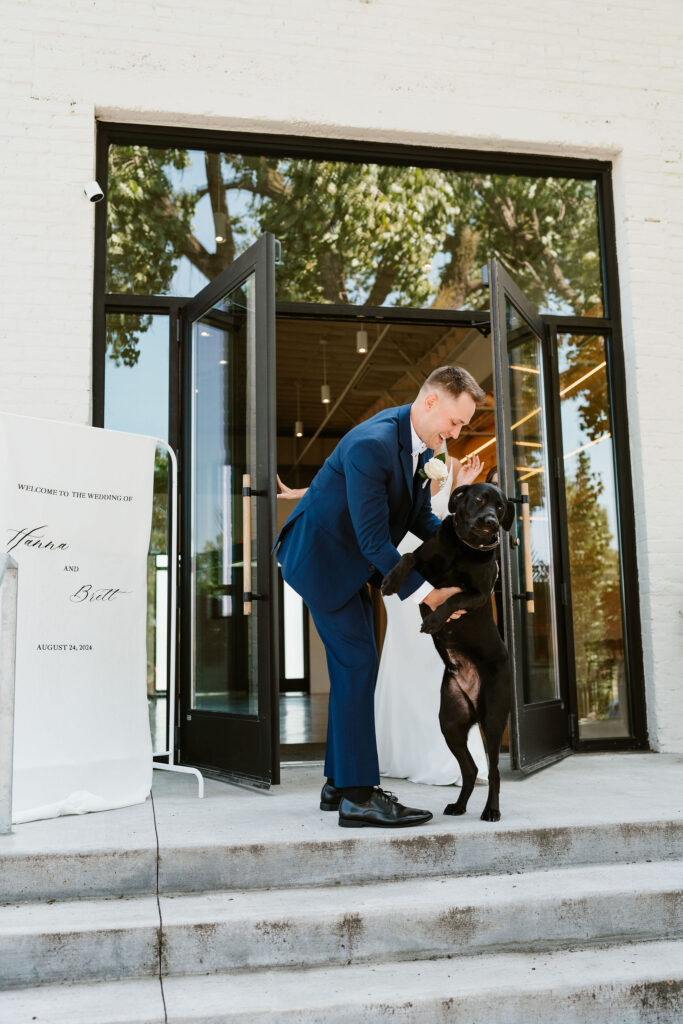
column 574, row 78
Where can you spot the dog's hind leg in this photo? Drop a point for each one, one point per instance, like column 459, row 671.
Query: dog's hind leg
column 493, row 720
column 456, row 718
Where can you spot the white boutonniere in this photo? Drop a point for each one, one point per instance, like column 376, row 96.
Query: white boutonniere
column 435, row 469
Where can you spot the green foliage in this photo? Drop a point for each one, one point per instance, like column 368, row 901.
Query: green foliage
column 148, row 221
column 353, row 233
column 596, row 601
column 583, row 355
column 158, row 544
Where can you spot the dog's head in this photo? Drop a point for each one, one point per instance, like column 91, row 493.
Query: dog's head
column 480, row 511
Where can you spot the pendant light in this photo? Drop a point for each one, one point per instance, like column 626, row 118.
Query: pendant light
column 298, row 426
column 325, row 396
column 220, row 221
column 361, row 342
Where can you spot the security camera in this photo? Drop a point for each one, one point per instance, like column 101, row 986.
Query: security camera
column 93, row 192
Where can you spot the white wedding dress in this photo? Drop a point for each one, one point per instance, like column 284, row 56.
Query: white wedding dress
column 408, row 693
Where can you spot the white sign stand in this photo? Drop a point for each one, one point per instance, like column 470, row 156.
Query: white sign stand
column 8, row 636
column 81, row 737
column 172, row 590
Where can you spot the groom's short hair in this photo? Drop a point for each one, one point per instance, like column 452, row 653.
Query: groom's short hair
column 454, row 380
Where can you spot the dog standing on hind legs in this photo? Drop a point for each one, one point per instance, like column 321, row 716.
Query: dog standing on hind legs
column 476, row 680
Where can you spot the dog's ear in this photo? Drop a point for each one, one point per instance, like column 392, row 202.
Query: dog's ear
column 508, row 515
column 456, row 496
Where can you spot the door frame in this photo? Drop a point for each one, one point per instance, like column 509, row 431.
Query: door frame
column 558, row 711
column 317, row 148
column 633, row 664
column 256, row 737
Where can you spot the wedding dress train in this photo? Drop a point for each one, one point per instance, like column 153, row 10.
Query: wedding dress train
column 408, row 692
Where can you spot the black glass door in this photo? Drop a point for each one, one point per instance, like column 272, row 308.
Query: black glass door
column 539, row 721
column 228, row 684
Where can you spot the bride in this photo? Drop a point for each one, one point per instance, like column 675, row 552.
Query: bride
column 410, row 744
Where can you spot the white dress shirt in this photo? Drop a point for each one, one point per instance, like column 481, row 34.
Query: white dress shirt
column 418, row 445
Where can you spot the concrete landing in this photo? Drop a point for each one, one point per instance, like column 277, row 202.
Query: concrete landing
column 629, row 804
column 256, row 907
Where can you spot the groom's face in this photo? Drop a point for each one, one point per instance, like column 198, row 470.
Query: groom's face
column 441, row 416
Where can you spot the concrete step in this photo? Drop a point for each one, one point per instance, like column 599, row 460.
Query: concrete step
column 78, row 940
column 203, row 859
column 313, row 927
column 639, row 983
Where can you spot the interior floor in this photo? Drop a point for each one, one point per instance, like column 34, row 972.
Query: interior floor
column 303, row 717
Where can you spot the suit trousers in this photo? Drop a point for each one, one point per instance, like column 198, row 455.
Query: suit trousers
column 349, row 639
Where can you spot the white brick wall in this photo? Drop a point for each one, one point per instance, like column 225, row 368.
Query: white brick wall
column 543, row 76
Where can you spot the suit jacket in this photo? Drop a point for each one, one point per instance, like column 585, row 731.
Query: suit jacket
column 360, row 505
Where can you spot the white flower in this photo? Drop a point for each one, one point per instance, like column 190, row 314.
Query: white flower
column 436, row 469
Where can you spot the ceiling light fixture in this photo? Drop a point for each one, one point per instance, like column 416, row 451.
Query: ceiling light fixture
column 299, row 425
column 361, row 342
column 325, row 396
column 220, row 221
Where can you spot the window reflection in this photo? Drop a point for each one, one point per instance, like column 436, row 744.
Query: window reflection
column 358, row 233
column 593, row 545
column 224, row 638
column 136, row 374
column 136, row 400
column 538, row 639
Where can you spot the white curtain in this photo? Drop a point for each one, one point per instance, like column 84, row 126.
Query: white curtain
column 75, row 512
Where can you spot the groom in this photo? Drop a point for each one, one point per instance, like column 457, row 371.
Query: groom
column 342, row 535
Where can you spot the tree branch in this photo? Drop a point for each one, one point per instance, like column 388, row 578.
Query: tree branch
column 383, row 283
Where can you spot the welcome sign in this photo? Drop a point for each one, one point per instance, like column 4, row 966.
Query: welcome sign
column 75, row 514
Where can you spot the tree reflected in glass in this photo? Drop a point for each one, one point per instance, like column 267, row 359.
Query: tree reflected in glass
column 364, row 234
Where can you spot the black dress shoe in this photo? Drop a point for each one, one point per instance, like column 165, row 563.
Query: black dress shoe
column 330, row 797
column 381, row 810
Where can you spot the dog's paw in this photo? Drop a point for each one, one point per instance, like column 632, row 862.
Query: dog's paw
column 431, row 625
column 489, row 814
column 454, row 809
column 391, row 584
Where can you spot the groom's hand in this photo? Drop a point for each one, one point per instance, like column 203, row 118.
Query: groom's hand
column 438, row 596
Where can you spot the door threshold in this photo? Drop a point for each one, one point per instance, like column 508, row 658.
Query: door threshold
column 302, row 753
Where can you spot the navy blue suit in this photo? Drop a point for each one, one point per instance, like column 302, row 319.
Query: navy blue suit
column 343, row 534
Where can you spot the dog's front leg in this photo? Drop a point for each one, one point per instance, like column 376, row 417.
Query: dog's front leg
column 396, row 577
column 463, row 602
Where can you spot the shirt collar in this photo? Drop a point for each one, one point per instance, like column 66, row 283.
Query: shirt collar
column 418, row 445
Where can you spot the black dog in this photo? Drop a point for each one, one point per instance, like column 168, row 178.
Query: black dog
column 476, row 681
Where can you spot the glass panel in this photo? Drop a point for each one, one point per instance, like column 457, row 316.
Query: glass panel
column 358, row 233
column 224, row 639
column 593, row 545
column 136, row 400
column 538, row 640
column 136, row 374
column 157, row 604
